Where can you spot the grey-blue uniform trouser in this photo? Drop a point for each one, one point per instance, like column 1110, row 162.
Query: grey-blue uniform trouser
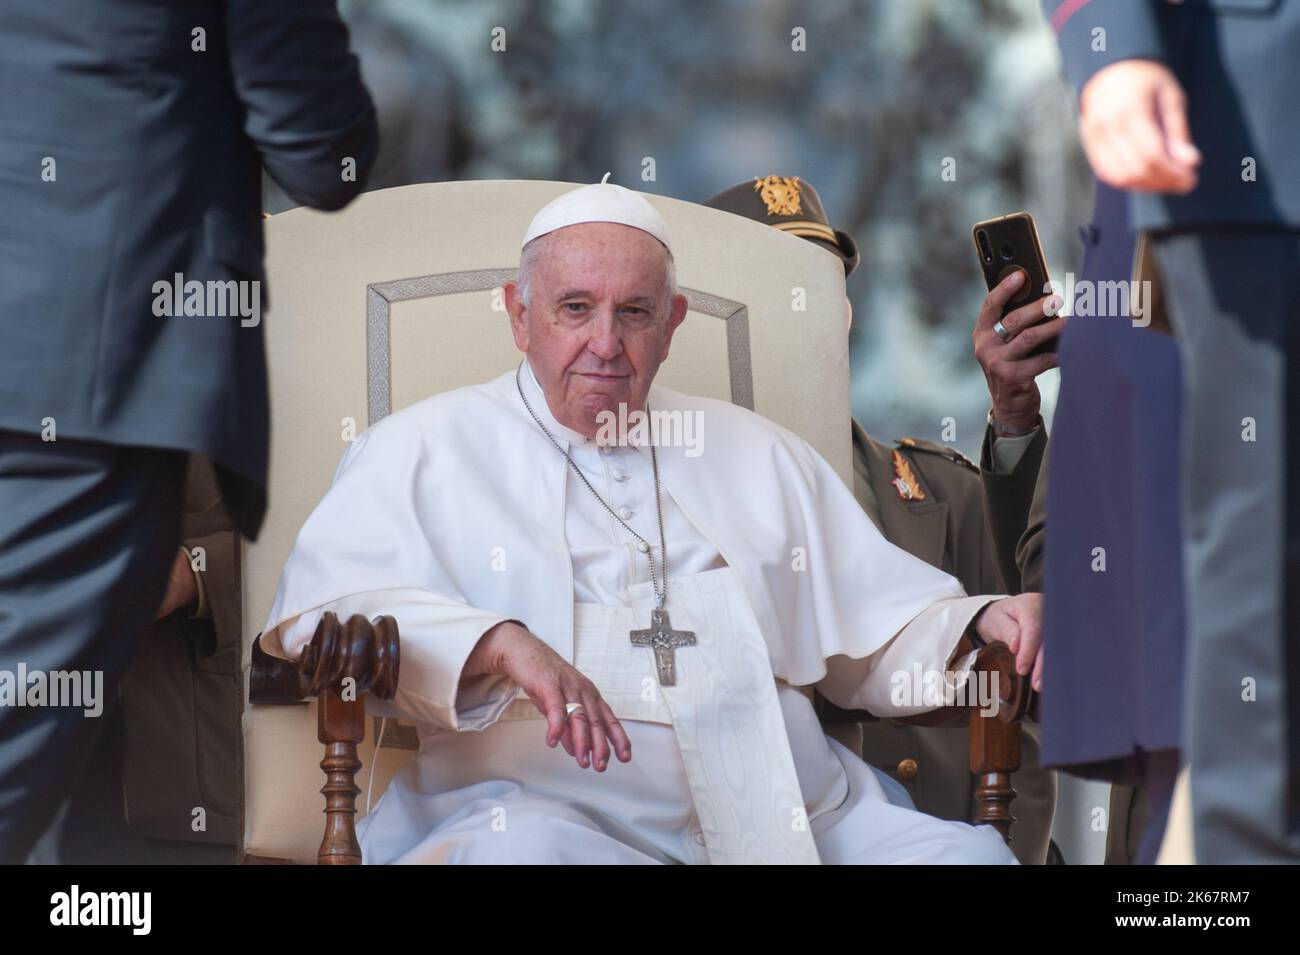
column 1233, row 299
column 88, row 532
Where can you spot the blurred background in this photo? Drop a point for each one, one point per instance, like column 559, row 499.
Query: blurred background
column 885, row 92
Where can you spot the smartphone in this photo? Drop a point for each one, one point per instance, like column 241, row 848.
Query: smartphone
column 1007, row 244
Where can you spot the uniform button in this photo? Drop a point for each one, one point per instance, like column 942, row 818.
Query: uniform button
column 625, row 512
column 907, row 769
column 620, row 474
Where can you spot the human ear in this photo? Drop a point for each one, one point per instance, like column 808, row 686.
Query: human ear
column 516, row 309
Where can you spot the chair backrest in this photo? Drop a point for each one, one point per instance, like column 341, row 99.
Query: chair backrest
column 398, row 297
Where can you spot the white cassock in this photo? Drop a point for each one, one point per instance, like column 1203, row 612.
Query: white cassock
column 457, row 513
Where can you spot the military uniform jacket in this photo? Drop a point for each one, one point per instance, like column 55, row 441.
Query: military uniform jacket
column 936, row 504
column 182, row 697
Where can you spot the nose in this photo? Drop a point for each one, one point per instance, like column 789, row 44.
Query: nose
column 606, row 341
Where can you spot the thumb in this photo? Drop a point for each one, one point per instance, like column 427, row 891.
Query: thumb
column 1171, row 105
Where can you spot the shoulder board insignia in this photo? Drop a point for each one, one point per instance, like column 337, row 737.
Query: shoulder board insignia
column 942, row 450
column 905, row 482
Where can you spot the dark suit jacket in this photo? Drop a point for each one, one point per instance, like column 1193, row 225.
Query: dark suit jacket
column 151, row 150
column 1239, row 63
column 1113, row 676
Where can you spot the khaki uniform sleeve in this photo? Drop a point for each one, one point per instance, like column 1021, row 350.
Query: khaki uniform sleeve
column 1008, row 499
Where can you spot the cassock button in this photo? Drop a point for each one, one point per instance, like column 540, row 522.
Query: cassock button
column 643, row 547
column 606, row 449
column 699, row 838
column 620, row 475
column 907, row 769
column 625, row 512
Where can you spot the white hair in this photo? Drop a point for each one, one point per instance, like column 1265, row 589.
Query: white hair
column 533, row 250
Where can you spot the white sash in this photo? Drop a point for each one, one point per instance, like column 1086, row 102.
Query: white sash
column 724, row 711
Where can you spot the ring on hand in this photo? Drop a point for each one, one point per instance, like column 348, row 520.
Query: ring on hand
column 1001, row 331
column 570, row 707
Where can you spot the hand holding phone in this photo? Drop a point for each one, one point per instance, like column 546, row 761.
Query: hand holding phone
column 1006, row 245
column 1015, row 335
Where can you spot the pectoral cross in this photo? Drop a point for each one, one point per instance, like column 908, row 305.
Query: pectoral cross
column 663, row 639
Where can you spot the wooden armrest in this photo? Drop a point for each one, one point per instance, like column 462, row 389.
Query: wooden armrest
column 994, row 738
column 341, row 664
column 366, row 654
column 1016, row 698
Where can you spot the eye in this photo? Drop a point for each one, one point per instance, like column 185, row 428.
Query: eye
column 635, row 311
column 574, row 308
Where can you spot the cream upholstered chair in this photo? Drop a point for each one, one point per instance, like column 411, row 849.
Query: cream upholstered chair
column 398, row 297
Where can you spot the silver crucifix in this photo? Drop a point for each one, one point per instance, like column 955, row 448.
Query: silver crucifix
column 663, row 639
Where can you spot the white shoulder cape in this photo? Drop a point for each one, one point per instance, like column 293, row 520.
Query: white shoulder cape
column 461, row 497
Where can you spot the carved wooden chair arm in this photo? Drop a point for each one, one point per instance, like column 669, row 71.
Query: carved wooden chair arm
column 1016, row 697
column 366, row 654
column 994, row 738
column 342, row 663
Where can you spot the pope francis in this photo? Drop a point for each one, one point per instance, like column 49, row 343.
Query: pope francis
column 561, row 583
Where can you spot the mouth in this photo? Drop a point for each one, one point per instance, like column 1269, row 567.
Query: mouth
column 603, row 379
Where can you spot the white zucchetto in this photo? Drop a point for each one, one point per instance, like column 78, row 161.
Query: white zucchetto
column 600, row 202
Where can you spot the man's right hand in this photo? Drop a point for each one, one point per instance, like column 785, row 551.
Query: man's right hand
column 1009, row 368
column 551, row 682
column 1133, row 124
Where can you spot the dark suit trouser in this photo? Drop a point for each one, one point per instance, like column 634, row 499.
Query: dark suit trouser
column 88, row 532
column 1233, row 297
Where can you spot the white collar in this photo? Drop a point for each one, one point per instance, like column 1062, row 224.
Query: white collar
column 537, row 398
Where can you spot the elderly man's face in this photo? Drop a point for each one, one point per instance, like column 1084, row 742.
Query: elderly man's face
column 599, row 320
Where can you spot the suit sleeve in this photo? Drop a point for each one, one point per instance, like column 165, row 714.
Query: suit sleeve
column 1029, row 552
column 306, row 107
column 1128, row 32
column 1008, row 501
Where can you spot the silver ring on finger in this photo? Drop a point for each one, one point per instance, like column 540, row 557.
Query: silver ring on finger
column 570, row 707
column 1002, row 331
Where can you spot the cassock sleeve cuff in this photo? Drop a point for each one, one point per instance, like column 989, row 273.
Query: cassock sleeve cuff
column 480, row 700
column 911, row 673
column 437, row 636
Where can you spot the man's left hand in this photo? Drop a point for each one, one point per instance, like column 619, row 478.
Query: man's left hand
column 1017, row 622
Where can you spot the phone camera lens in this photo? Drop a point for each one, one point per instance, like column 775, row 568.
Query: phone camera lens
column 1008, row 251
column 986, row 248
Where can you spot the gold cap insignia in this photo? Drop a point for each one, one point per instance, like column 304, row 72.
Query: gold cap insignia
column 909, row 488
column 780, row 194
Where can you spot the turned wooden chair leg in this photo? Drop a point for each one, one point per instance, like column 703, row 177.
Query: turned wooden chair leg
column 994, row 756
column 341, row 726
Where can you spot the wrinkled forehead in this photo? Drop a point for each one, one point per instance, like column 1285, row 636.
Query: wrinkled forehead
column 599, row 256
